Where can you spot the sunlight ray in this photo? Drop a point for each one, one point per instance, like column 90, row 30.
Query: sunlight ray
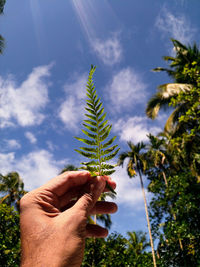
column 93, row 17
column 37, row 24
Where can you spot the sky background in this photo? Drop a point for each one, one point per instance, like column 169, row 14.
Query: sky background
column 50, row 46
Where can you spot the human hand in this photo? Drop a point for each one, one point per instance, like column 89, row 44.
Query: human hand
column 54, row 225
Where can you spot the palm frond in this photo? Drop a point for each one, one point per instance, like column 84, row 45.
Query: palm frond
column 163, row 97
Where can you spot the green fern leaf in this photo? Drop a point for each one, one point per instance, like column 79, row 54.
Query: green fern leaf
column 109, row 150
column 90, row 111
column 91, row 117
column 103, row 124
column 92, row 129
column 109, row 142
column 102, row 118
column 89, row 149
column 99, row 149
column 92, row 136
column 107, row 132
column 100, row 113
column 111, row 156
column 86, row 154
column 90, row 122
column 87, row 142
column 99, row 106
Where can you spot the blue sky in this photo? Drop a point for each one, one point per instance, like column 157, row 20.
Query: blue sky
column 50, row 46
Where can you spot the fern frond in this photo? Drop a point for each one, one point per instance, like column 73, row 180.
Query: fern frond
column 97, row 129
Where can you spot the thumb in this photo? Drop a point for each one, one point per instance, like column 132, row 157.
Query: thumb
column 91, row 194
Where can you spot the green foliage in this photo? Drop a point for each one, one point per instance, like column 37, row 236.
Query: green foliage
column 69, row 167
column 114, row 251
column 9, row 237
column 12, row 189
column 184, row 69
column 137, row 162
column 2, row 42
column 174, row 166
column 98, row 147
column 175, row 216
column 2, row 3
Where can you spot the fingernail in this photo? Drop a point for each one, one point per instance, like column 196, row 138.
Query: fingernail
column 100, row 183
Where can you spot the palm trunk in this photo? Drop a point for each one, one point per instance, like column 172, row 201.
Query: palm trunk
column 147, row 215
column 174, row 215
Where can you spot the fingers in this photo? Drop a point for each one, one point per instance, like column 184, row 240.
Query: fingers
column 103, row 207
column 97, row 231
column 67, row 180
column 78, row 191
column 72, row 179
column 91, row 194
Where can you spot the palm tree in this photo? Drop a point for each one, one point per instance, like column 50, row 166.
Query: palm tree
column 137, row 164
column 137, row 242
column 185, row 56
column 12, row 188
column 157, row 155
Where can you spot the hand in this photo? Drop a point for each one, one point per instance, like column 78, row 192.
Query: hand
column 53, row 219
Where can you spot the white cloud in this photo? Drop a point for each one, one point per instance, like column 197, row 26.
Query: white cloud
column 31, row 137
column 51, row 146
column 7, row 160
column 35, row 168
column 12, row 144
column 109, row 51
column 126, row 89
column 23, row 105
column 72, row 108
column 134, row 129
column 177, row 27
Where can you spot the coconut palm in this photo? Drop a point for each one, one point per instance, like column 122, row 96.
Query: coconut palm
column 158, row 156
column 185, row 56
column 12, row 188
column 137, row 242
column 137, row 165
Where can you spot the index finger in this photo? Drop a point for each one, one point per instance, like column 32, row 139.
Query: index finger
column 63, row 182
